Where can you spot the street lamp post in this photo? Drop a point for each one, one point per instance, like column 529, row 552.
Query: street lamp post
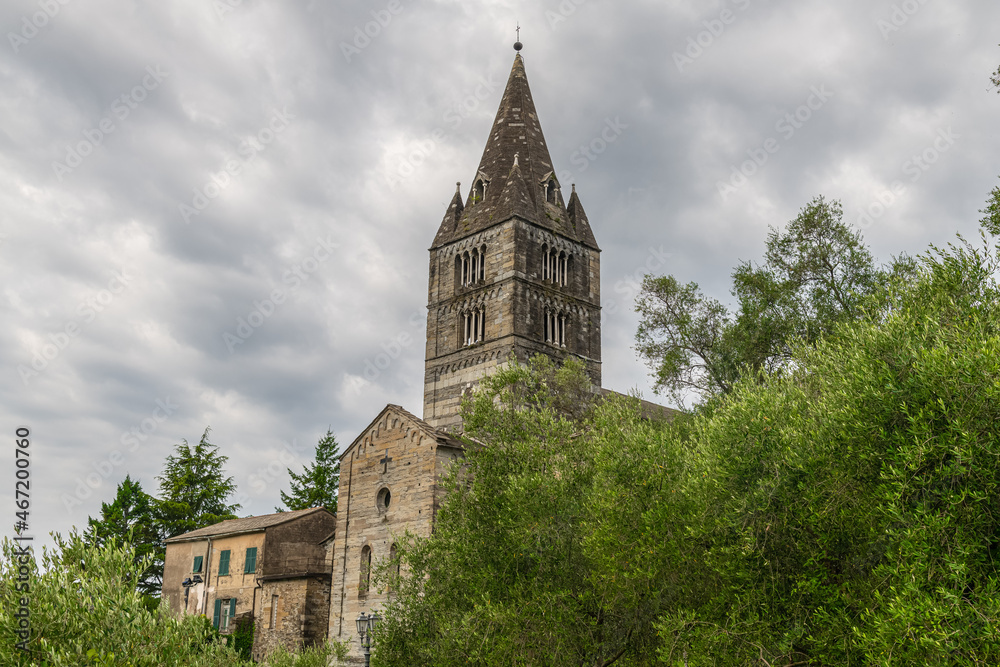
column 187, row 584
column 366, row 625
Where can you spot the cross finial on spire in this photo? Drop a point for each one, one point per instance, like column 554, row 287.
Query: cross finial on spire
column 517, row 44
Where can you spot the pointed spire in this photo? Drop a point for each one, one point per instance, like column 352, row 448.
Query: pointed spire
column 515, row 142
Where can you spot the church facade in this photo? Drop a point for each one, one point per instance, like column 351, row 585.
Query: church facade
column 514, row 271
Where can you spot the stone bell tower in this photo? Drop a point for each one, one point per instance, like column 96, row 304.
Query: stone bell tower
column 514, row 269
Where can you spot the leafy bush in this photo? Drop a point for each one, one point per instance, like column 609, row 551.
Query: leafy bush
column 85, row 610
column 323, row 655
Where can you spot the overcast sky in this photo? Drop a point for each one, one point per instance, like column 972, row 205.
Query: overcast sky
column 217, row 213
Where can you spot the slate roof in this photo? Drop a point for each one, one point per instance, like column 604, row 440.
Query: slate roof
column 515, row 165
column 251, row 524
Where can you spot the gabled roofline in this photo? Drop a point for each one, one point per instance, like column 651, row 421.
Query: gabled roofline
column 184, row 537
column 443, row 438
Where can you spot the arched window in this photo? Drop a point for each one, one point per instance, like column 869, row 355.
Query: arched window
column 479, row 190
column 366, row 571
column 555, row 266
column 554, row 328
column 393, row 568
column 551, row 191
column 473, row 326
column 472, row 266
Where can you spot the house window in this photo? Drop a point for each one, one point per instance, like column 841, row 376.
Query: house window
column 555, row 266
column 224, row 562
column 555, row 328
column 225, row 610
column 250, row 562
column 473, row 326
column 366, row 571
column 472, row 267
column 274, row 611
column 198, row 560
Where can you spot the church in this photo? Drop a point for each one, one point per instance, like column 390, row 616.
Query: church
column 514, row 270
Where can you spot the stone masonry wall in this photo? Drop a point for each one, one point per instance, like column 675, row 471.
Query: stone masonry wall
column 364, row 522
column 301, row 614
column 515, row 299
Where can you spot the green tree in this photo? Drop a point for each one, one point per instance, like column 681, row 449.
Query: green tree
column 85, row 609
column 991, row 214
column 842, row 512
column 130, row 519
column 504, row 579
column 194, row 488
column 816, row 273
column 318, row 484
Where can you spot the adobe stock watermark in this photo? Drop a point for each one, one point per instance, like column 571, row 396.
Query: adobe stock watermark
column 363, row 35
column 630, row 285
column 248, row 149
column 566, row 9
column 699, row 43
column 587, row 153
column 294, row 277
column 453, row 117
column 87, row 310
column 393, row 347
column 130, row 440
column 914, row 167
column 121, row 108
column 31, row 25
column 786, row 126
column 899, row 17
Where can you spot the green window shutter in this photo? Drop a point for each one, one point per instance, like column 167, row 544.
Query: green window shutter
column 218, row 613
column 197, row 564
column 224, row 562
column 232, row 609
column 250, row 563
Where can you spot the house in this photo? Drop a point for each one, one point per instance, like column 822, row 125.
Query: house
column 274, row 569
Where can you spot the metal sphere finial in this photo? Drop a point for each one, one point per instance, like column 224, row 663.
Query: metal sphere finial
column 518, row 45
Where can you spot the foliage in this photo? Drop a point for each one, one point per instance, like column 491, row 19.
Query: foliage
column 314, row 656
column 504, row 579
column 843, row 513
column 243, row 637
column 318, row 483
column 130, row 518
column 991, row 214
column 815, row 275
column 85, row 609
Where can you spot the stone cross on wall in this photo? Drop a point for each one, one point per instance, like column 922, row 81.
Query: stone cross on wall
column 385, row 461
